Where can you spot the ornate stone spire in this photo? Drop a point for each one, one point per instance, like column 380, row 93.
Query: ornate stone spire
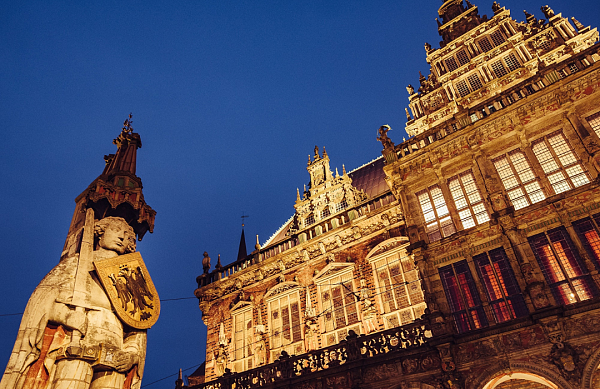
column 117, row 191
column 242, row 252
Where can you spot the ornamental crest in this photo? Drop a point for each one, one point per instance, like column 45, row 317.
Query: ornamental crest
column 130, row 289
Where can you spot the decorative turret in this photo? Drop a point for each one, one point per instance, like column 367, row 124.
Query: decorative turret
column 117, row 191
column 327, row 194
column 457, row 20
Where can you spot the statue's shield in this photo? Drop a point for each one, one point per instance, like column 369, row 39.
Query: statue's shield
column 130, row 289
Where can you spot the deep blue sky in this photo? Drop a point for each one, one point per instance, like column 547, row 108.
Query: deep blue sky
column 229, row 98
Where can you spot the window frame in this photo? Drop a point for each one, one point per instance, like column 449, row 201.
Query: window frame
column 335, row 275
column 564, row 264
column 502, row 279
column 593, row 121
column 292, row 346
column 466, row 309
column 246, row 360
column 561, row 168
column 517, row 176
column 415, row 300
column 447, row 228
column 468, row 205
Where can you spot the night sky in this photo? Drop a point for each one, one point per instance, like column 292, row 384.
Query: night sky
column 229, row 98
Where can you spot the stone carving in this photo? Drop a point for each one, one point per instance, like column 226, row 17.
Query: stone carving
column 69, row 328
column 311, row 329
column 205, row 262
column 566, row 358
column 386, row 142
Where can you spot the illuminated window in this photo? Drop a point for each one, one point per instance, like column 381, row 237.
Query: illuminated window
column 309, row 220
column 589, row 233
column 497, row 38
column 475, row 82
column 499, row 69
column 564, row 271
column 512, row 62
column 242, row 340
column 500, row 285
column 338, row 307
column 438, row 223
column 341, row 206
column 468, row 201
column 594, row 121
column 462, row 297
column 484, row 44
column 451, row 64
column 399, row 288
column 285, row 326
column 518, row 179
column 325, row 213
column 558, row 161
column 463, row 88
column 463, row 58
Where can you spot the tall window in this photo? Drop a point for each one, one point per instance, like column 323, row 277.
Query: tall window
column 463, row 88
column 475, row 82
column 563, row 269
column 462, row 57
column 518, row 179
column 399, row 288
column 497, row 38
column 499, row 69
column 512, row 62
column 451, row 64
column 339, row 309
column 242, row 340
column 559, row 163
column 500, row 284
column 468, row 201
column 594, row 121
column 285, row 326
column 438, row 223
column 463, row 297
column 484, row 44
column 589, row 233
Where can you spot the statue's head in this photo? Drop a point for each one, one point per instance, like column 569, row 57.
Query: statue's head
column 114, row 234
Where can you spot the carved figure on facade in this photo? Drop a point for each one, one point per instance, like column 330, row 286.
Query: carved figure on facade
column 566, row 358
column 91, row 342
column 386, row 142
column 205, row 262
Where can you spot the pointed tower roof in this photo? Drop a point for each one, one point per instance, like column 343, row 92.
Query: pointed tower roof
column 118, row 191
column 242, row 252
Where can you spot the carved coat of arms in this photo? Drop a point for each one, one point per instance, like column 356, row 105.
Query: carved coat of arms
column 130, row 289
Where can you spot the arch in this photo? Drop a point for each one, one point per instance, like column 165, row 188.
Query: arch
column 413, row 385
column 494, row 383
column 387, row 245
column 537, row 372
column 590, row 370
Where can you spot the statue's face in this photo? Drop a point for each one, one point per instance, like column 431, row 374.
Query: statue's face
column 115, row 238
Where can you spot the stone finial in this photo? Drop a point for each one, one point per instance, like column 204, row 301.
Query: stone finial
column 257, row 245
column 317, row 156
column 222, row 338
column 179, row 382
column 337, row 175
column 218, row 266
column 408, row 118
column 297, row 195
column 344, row 170
column 580, row 27
column 324, row 152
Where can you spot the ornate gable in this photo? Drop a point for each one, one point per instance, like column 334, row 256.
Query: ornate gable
column 331, row 270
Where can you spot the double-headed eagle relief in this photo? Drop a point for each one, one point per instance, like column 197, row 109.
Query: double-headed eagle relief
column 130, row 289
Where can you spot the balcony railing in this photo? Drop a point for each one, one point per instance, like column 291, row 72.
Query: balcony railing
column 353, row 348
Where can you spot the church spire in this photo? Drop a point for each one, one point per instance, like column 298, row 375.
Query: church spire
column 242, row 253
